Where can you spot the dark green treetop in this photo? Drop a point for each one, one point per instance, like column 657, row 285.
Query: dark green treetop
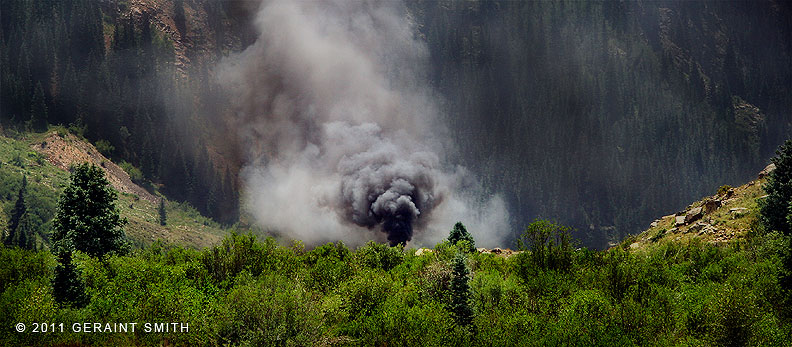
column 88, row 219
column 459, row 233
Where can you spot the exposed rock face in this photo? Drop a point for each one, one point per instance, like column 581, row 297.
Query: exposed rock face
column 767, row 170
column 679, row 221
column 694, row 214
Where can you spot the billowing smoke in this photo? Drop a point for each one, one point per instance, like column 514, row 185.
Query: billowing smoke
column 342, row 133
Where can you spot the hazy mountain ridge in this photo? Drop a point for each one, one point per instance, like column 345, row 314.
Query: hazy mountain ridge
column 597, row 115
column 603, row 115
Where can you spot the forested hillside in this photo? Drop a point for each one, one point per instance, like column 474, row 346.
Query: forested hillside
column 602, row 115
column 607, row 114
column 111, row 74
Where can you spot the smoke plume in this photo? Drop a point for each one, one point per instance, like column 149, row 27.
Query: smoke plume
column 342, row 133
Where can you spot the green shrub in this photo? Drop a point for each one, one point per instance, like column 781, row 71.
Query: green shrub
column 379, row 256
column 104, row 147
column 268, row 312
column 134, row 173
column 722, row 190
column 550, row 247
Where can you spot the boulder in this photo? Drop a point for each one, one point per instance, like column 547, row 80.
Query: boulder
column 697, row 227
column 767, row 170
column 694, row 214
column 711, row 205
column 654, row 224
column 679, row 221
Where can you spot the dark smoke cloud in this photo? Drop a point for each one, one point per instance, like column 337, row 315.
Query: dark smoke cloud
column 343, row 135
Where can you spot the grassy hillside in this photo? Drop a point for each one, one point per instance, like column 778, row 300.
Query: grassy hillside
column 32, row 154
column 730, row 215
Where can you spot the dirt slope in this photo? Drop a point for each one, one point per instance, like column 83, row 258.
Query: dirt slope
column 65, row 151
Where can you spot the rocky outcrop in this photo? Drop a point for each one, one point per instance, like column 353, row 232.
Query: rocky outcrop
column 711, row 205
column 767, row 170
column 693, row 215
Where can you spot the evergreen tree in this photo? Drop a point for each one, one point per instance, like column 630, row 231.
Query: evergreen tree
column 775, row 208
column 163, row 217
column 460, row 233
column 25, row 233
column 67, row 286
column 460, row 291
column 20, row 209
column 88, row 219
column 38, row 110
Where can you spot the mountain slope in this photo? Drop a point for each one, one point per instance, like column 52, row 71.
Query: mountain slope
column 728, row 216
column 45, row 159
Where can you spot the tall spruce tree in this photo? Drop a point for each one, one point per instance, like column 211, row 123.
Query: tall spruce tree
column 88, row 219
column 163, row 215
column 67, row 285
column 459, row 233
column 460, row 291
column 20, row 210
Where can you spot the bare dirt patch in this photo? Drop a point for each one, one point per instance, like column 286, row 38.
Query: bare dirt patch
column 68, row 150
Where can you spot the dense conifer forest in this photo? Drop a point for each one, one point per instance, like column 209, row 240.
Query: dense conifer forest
column 489, row 173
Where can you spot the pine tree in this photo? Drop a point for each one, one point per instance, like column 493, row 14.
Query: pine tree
column 88, row 219
column 67, row 286
column 25, row 233
column 20, row 209
column 460, row 233
column 460, row 291
column 163, row 217
column 38, row 110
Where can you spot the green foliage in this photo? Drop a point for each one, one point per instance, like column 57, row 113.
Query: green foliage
column 104, row 147
column 67, row 285
column 460, row 234
column 550, row 246
column 379, row 256
column 134, row 173
column 248, row 291
column 722, row 190
column 775, row 208
column 460, row 291
column 88, row 219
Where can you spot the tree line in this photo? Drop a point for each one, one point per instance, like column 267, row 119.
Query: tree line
column 111, row 78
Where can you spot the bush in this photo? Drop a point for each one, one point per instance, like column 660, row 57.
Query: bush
column 722, row 190
column 550, row 246
column 104, row 147
column 134, row 173
column 379, row 256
